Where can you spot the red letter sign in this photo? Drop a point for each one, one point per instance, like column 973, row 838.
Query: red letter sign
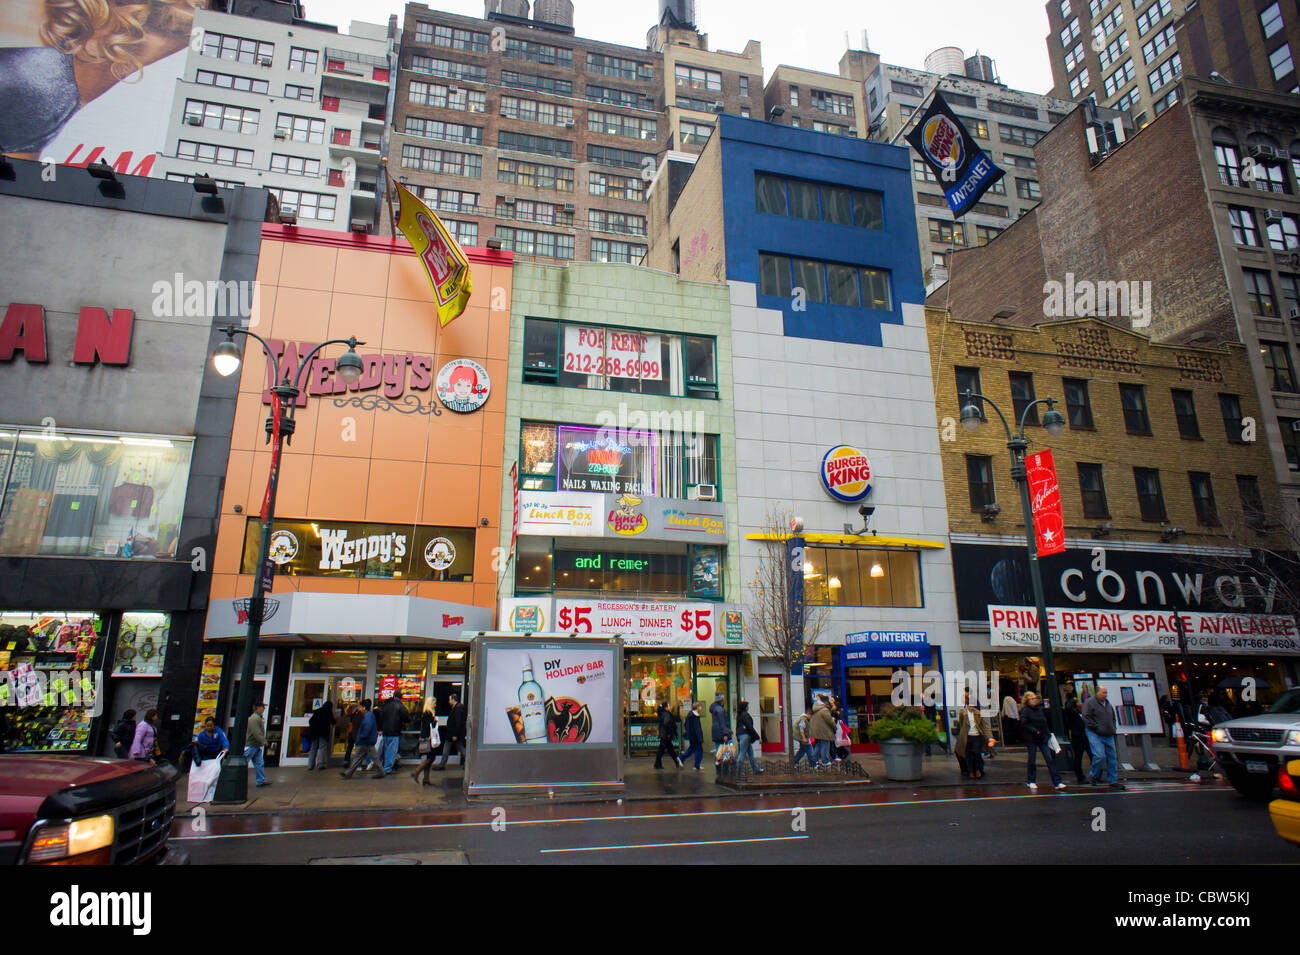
column 23, row 327
column 1045, row 497
column 100, row 338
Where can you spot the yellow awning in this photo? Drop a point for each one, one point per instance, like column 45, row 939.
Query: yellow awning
column 853, row 540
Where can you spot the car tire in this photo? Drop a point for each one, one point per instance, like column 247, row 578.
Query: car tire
column 1253, row 786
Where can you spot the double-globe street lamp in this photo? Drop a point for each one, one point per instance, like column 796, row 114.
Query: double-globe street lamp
column 232, row 784
column 1054, row 422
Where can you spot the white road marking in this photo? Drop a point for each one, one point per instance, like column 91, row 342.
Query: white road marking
column 665, row 845
column 1089, row 792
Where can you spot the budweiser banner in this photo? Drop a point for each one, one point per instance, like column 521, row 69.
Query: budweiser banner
column 1123, row 630
column 1045, row 498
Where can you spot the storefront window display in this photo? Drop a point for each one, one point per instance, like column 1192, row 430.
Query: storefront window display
column 93, row 495
column 654, row 678
column 1225, row 676
column 141, row 644
column 62, row 647
column 856, row 577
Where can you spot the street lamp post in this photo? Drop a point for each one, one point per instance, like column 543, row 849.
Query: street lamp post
column 1054, row 422
column 232, row 784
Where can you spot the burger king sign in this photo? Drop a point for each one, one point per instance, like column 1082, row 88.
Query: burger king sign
column 846, row 474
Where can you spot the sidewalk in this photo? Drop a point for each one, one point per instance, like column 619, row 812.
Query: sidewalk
column 298, row 790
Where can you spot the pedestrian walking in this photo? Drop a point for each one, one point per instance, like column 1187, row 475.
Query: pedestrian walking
column 821, row 730
column 1170, row 717
column 456, row 723
column 746, row 737
column 1078, row 737
column 210, row 743
column 667, row 737
column 123, row 735
column 1099, row 721
column 1037, row 736
column 843, row 737
column 430, row 742
column 1011, row 720
column 973, row 737
column 319, row 728
column 720, row 723
column 694, row 735
column 393, row 718
column 255, row 743
column 146, row 736
column 354, row 714
column 367, row 736
column 801, row 725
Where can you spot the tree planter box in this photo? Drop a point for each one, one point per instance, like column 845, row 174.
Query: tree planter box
column 902, row 759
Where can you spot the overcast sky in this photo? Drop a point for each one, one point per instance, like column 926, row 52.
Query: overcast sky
column 1013, row 32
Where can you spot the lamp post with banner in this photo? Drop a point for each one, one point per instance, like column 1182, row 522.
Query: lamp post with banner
column 232, row 784
column 1054, row 422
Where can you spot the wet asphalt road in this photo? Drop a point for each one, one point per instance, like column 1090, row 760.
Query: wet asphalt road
column 1163, row 823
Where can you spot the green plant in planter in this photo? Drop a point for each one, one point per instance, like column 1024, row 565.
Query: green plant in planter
column 903, row 722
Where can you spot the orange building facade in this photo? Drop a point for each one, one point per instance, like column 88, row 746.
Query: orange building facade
column 386, row 526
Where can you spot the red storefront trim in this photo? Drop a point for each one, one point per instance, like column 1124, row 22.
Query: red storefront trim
column 370, row 243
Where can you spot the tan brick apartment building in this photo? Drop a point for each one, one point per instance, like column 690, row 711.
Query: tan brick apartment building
column 1171, row 207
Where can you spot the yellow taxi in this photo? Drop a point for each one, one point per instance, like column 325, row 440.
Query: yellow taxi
column 1285, row 812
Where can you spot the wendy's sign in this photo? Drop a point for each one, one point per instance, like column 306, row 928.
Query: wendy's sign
column 394, row 372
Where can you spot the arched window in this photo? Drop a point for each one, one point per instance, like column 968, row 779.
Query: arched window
column 1269, row 159
column 1227, row 157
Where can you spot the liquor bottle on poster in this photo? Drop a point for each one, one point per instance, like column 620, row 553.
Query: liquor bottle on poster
column 532, row 705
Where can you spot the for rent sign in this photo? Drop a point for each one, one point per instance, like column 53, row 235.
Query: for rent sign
column 1122, row 630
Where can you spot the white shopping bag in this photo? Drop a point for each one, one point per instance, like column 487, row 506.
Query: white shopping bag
column 1053, row 743
column 202, row 784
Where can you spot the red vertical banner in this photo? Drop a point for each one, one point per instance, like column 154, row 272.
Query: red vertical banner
column 514, row 529
column 1045, row 498
column 275, row 455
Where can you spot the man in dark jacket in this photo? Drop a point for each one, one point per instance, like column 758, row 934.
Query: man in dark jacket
column 694, row 735
column 456, row 723
column 747, row 738
column 1099, row 721
column 319, row 728
column 1078, row 736
column 667, row 737
column 720, row 729
column 1034, row 730
column 393, row 717
column 124, row 735
column 367, row 734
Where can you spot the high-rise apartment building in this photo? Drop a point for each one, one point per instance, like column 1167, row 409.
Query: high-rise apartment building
column 294, row 107
column 822, row 102
column 1130, row 55
column 1005, row 122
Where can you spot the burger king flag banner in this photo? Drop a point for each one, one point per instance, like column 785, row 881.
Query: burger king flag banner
column 965, row 171
column 444, row 263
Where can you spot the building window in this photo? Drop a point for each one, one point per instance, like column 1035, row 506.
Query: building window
column 694, row 134
column 1158, row 44
column 824, row 282
column 662, row 463
column 922, row 172
column 1133, row 401
column 230, row 119
column 1252, row 504
column 1070, row 32
column 1280, row 61
column 1022, row 396
column 1028, row 189
column 1244, row 231
column 1259, row 289
column 1093, row 491
column 454, row 71
column 1230, row 406
column 541, row 145
column 1278, row 370
column 611, row 250
column 947, row 233
column 559, row 178
column 1227, row 157
column 1074, row 57
column 295, row 165
column 984, row 234
column 617, row 187
column 1290, row 441
column 1168, row 71
column 617, row 124
column 553, row 245
column 1078, row 84
column 1118, row 47
column 774, row 275
column 1283, row 232
column 308, row 205
column 220, row 155
column 469, row 40
column 440, row 95
column 1018, row 135
column 301, row 129
column 1151, row 499
column 228, row 82
column 236, row 48
column 304, row 93
column 447, row 132
column 1185, row 412
column 598, row 220
column 979, row 477
column 532, row 111
column 1078, row 405
column 450, row 200
column 465, row 233
column 1152, row 14
column 444, row 161
column 1203, row 498
column 840, row 205
column 620, row 68
column 856, row 577
column 1270, row 20
column 968, row 381
column 744, row 86
column 794, row 96
column 837, row 103
column 539, row 53
column 302, row 61
column 698, row 79
column 1290, row 294
column 619, row 158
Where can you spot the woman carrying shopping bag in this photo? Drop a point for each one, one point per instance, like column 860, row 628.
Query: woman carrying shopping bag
column 429, row 744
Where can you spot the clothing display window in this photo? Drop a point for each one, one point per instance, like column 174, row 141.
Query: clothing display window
column 92, row 495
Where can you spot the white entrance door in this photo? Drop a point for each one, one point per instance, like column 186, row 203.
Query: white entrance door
column 306, row 692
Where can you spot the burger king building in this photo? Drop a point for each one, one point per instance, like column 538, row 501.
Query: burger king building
column 833, row 398
column 389, row 494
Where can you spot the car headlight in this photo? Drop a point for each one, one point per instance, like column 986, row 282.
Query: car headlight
column 1293, row 738
column 79, row 841
column 1219, row 736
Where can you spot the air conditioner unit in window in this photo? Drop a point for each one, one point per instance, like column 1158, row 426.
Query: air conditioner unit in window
column 568, row 207
column 281, row 134
column 360, row 225
column 453, row 88
column 1265, row 153
column 510, row 200
column 194, row 120
column 263, row 61
column 1273, row 215
column 568, row 125
column 703, row 492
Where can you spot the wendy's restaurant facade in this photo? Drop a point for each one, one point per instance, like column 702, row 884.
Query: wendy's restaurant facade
column 389, row 494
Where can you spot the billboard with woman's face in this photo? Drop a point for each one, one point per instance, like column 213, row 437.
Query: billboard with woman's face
column 86, row 80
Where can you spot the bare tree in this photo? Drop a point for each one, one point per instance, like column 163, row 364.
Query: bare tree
column 1268, row 546
column 774, row 631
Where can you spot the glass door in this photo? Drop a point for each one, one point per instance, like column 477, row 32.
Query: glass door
column 306, row 693
column 771, row 712
column 706, row 688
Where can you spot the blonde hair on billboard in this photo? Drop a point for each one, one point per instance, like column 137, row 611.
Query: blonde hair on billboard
column 113, row 31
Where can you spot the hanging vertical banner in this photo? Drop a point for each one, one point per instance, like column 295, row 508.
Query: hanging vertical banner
column 964, row 170
column 793, row 574
column 275, row 456
column 444, row 262
column 514, row 528
column 1045, row 497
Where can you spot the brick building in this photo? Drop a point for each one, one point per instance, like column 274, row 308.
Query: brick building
column 1157, row 486
column 1187, row 231
column 821, row 102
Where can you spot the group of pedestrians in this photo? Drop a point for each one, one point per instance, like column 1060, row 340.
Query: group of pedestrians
column 365, row 728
